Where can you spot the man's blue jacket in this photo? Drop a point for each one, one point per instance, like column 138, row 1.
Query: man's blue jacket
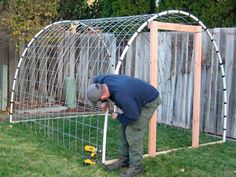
column 129, row 94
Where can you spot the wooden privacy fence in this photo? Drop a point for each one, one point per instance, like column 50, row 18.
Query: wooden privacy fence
column 175, row 75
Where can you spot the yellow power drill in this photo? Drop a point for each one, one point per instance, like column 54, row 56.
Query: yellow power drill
column 93, row 151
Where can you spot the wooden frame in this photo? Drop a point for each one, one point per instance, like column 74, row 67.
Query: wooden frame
column 154, row 26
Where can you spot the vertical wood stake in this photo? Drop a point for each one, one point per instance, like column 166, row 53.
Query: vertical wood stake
column 197, row 88
column 153, row 81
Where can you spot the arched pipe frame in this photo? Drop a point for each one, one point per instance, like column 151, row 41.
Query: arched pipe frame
column 130, row 41
column 170, row 12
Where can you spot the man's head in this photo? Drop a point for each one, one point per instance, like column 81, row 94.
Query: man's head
column 98, row 92
column 94, row 92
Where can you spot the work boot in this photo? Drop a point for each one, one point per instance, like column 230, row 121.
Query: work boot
column 121, row 162
column 132, row 171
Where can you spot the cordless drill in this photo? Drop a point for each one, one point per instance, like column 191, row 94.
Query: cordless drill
column 93, row 151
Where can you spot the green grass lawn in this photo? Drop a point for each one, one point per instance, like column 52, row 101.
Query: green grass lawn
column 77, row 131
column 23, row 154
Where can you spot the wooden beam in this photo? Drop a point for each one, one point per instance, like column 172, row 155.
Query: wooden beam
column 153, row 81
column 197, row 89
column 176, row 27
column 189, row 147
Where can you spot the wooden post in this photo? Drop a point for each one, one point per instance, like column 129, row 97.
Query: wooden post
column 3, row 87
column 197, row 88
column 153, row 81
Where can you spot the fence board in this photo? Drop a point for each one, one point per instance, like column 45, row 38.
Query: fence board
column 3, row 87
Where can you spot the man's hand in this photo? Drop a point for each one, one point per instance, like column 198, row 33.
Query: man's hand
column 114, row 115
column 104, row 106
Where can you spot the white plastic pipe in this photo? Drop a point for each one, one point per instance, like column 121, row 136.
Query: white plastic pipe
column 104, row 142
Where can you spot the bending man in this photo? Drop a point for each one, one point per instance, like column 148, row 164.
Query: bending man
column 138, row 100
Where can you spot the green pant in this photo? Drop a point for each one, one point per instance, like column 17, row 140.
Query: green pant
column 131, row 135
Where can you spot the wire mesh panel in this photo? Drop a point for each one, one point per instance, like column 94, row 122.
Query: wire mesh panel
column 55, row 69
